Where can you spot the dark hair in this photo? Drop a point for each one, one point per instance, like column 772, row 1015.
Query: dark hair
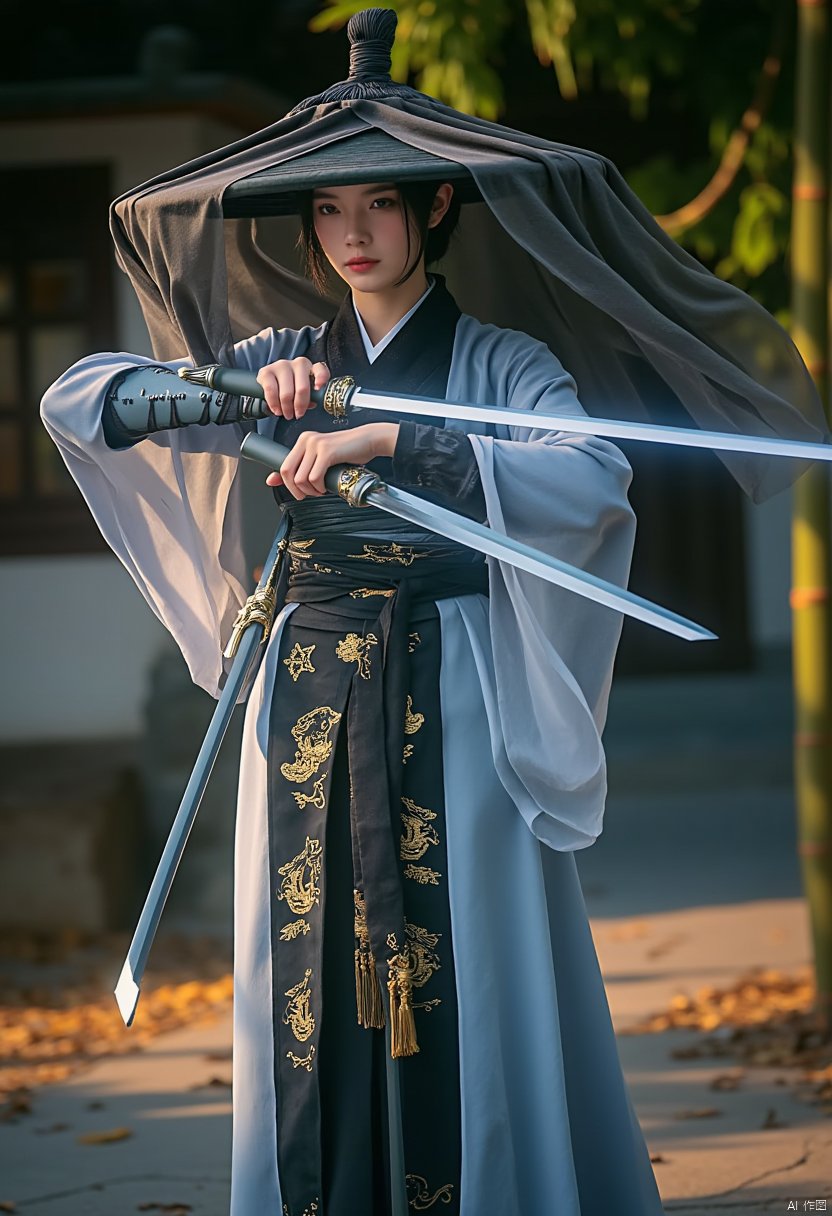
column 417, row 199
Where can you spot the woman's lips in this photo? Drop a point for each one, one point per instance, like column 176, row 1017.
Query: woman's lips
column 363, row 264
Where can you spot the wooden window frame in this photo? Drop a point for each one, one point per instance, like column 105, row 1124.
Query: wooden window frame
column 53, row 212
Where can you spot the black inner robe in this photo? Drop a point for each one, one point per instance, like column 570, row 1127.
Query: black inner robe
column 356, row 707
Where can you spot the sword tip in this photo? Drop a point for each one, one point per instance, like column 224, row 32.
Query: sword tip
column 127, row 993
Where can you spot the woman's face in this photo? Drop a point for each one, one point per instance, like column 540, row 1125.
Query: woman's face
column 362, row 231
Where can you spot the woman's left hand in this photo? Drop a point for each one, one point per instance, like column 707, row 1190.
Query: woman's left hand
column 304, row 469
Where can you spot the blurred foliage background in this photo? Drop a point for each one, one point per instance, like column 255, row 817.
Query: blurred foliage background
column 719, row 75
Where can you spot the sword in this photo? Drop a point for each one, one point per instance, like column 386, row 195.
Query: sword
column 251, row 629
column 341, row 396
column 360, row 487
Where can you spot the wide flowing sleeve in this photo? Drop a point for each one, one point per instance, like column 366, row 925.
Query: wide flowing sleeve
column 552, row 650
column 169, row 506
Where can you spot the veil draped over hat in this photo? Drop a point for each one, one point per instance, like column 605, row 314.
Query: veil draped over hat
column 558, row 246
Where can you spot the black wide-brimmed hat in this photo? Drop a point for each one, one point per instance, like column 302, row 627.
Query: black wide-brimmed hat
column 553, row 242
column 362, row 157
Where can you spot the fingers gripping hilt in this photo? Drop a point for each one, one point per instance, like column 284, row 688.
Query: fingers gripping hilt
column 351, row 482
column 334, row 396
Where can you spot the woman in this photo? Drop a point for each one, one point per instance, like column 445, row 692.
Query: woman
column 382, row 699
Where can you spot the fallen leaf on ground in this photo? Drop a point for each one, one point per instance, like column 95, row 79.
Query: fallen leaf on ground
column 174, row 1209
column 727, row 1080
column 771, row 1119
column 657, row 1159
column 213, row 1083
column 702, row 1112
column 7, row 1206
column 109, row 1137
column 54, row 1127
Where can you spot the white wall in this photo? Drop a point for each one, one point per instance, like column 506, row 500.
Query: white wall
column 77, row 637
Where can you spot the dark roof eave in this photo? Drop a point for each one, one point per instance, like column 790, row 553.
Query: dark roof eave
column 228, row 98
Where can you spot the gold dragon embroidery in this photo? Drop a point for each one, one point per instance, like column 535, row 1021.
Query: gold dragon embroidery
column 298, row 1013
column 355, row 649
column 312, row 733
column 299, row 660
column 407, row 752
column 420, row 947
column 413, row 642
column 418, row 833
column 419, row 1196
column 302, row 1061
column 423, row 875
column 361, row 593
column 300, row 878
column 412, row 721
column 405, row 555
column 317, row 798
column 294, row 928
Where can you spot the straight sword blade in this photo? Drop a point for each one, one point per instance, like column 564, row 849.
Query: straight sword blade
column 482, row 538
column 128, row 987
column 581, row 424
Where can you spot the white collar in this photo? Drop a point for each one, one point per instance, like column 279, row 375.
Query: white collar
column 373, row 352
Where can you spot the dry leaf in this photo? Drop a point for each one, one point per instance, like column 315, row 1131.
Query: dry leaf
column 657, row 1159
column 771, row 1119
column 702, row 1112
column 213, row 1083
column 175, row 1209
column 109, row 1137
column 727, row 1080
column 7, row 1206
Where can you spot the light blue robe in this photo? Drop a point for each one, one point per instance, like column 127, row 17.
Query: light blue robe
column 547, row 1122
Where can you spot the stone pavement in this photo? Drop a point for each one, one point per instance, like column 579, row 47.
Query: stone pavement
column 684, row 889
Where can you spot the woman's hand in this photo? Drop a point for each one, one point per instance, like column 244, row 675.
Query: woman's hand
column 286, row 383
column 304, row 469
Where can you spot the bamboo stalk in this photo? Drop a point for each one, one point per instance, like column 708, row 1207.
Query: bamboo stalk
column 812, row 624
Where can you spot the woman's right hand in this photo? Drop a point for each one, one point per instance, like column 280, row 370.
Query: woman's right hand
column 286, row 383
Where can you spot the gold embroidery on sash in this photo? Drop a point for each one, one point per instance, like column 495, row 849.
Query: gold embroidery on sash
column 419, row 1196
column 324, row 569
column 428, row 1005
column 412, row 721
column 420, row 947
column 405, row 555
column 300, row 548
column 294, row 928
column 311, row 733
column 300, row 878
column 423, row 875
column 418, row 833
column 310, row 1211
column 299, row 660
column 317, row 798
column 356, row 649
column 413, row 642
column 407, row 753
column 361, row 593
column 302, row 1061
column 298, row 1014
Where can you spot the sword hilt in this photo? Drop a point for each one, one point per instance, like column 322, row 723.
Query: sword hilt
column 334, row 396
column 352, row 482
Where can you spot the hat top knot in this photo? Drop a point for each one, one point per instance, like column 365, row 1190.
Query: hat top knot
column 371, row 33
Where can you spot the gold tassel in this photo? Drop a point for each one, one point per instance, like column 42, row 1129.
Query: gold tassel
column 402, row 1024
column 367, row 988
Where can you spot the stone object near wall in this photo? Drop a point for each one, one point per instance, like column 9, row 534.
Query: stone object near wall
column 70, row 837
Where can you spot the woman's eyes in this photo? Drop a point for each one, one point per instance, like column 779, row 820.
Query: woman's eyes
column 380, row 204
